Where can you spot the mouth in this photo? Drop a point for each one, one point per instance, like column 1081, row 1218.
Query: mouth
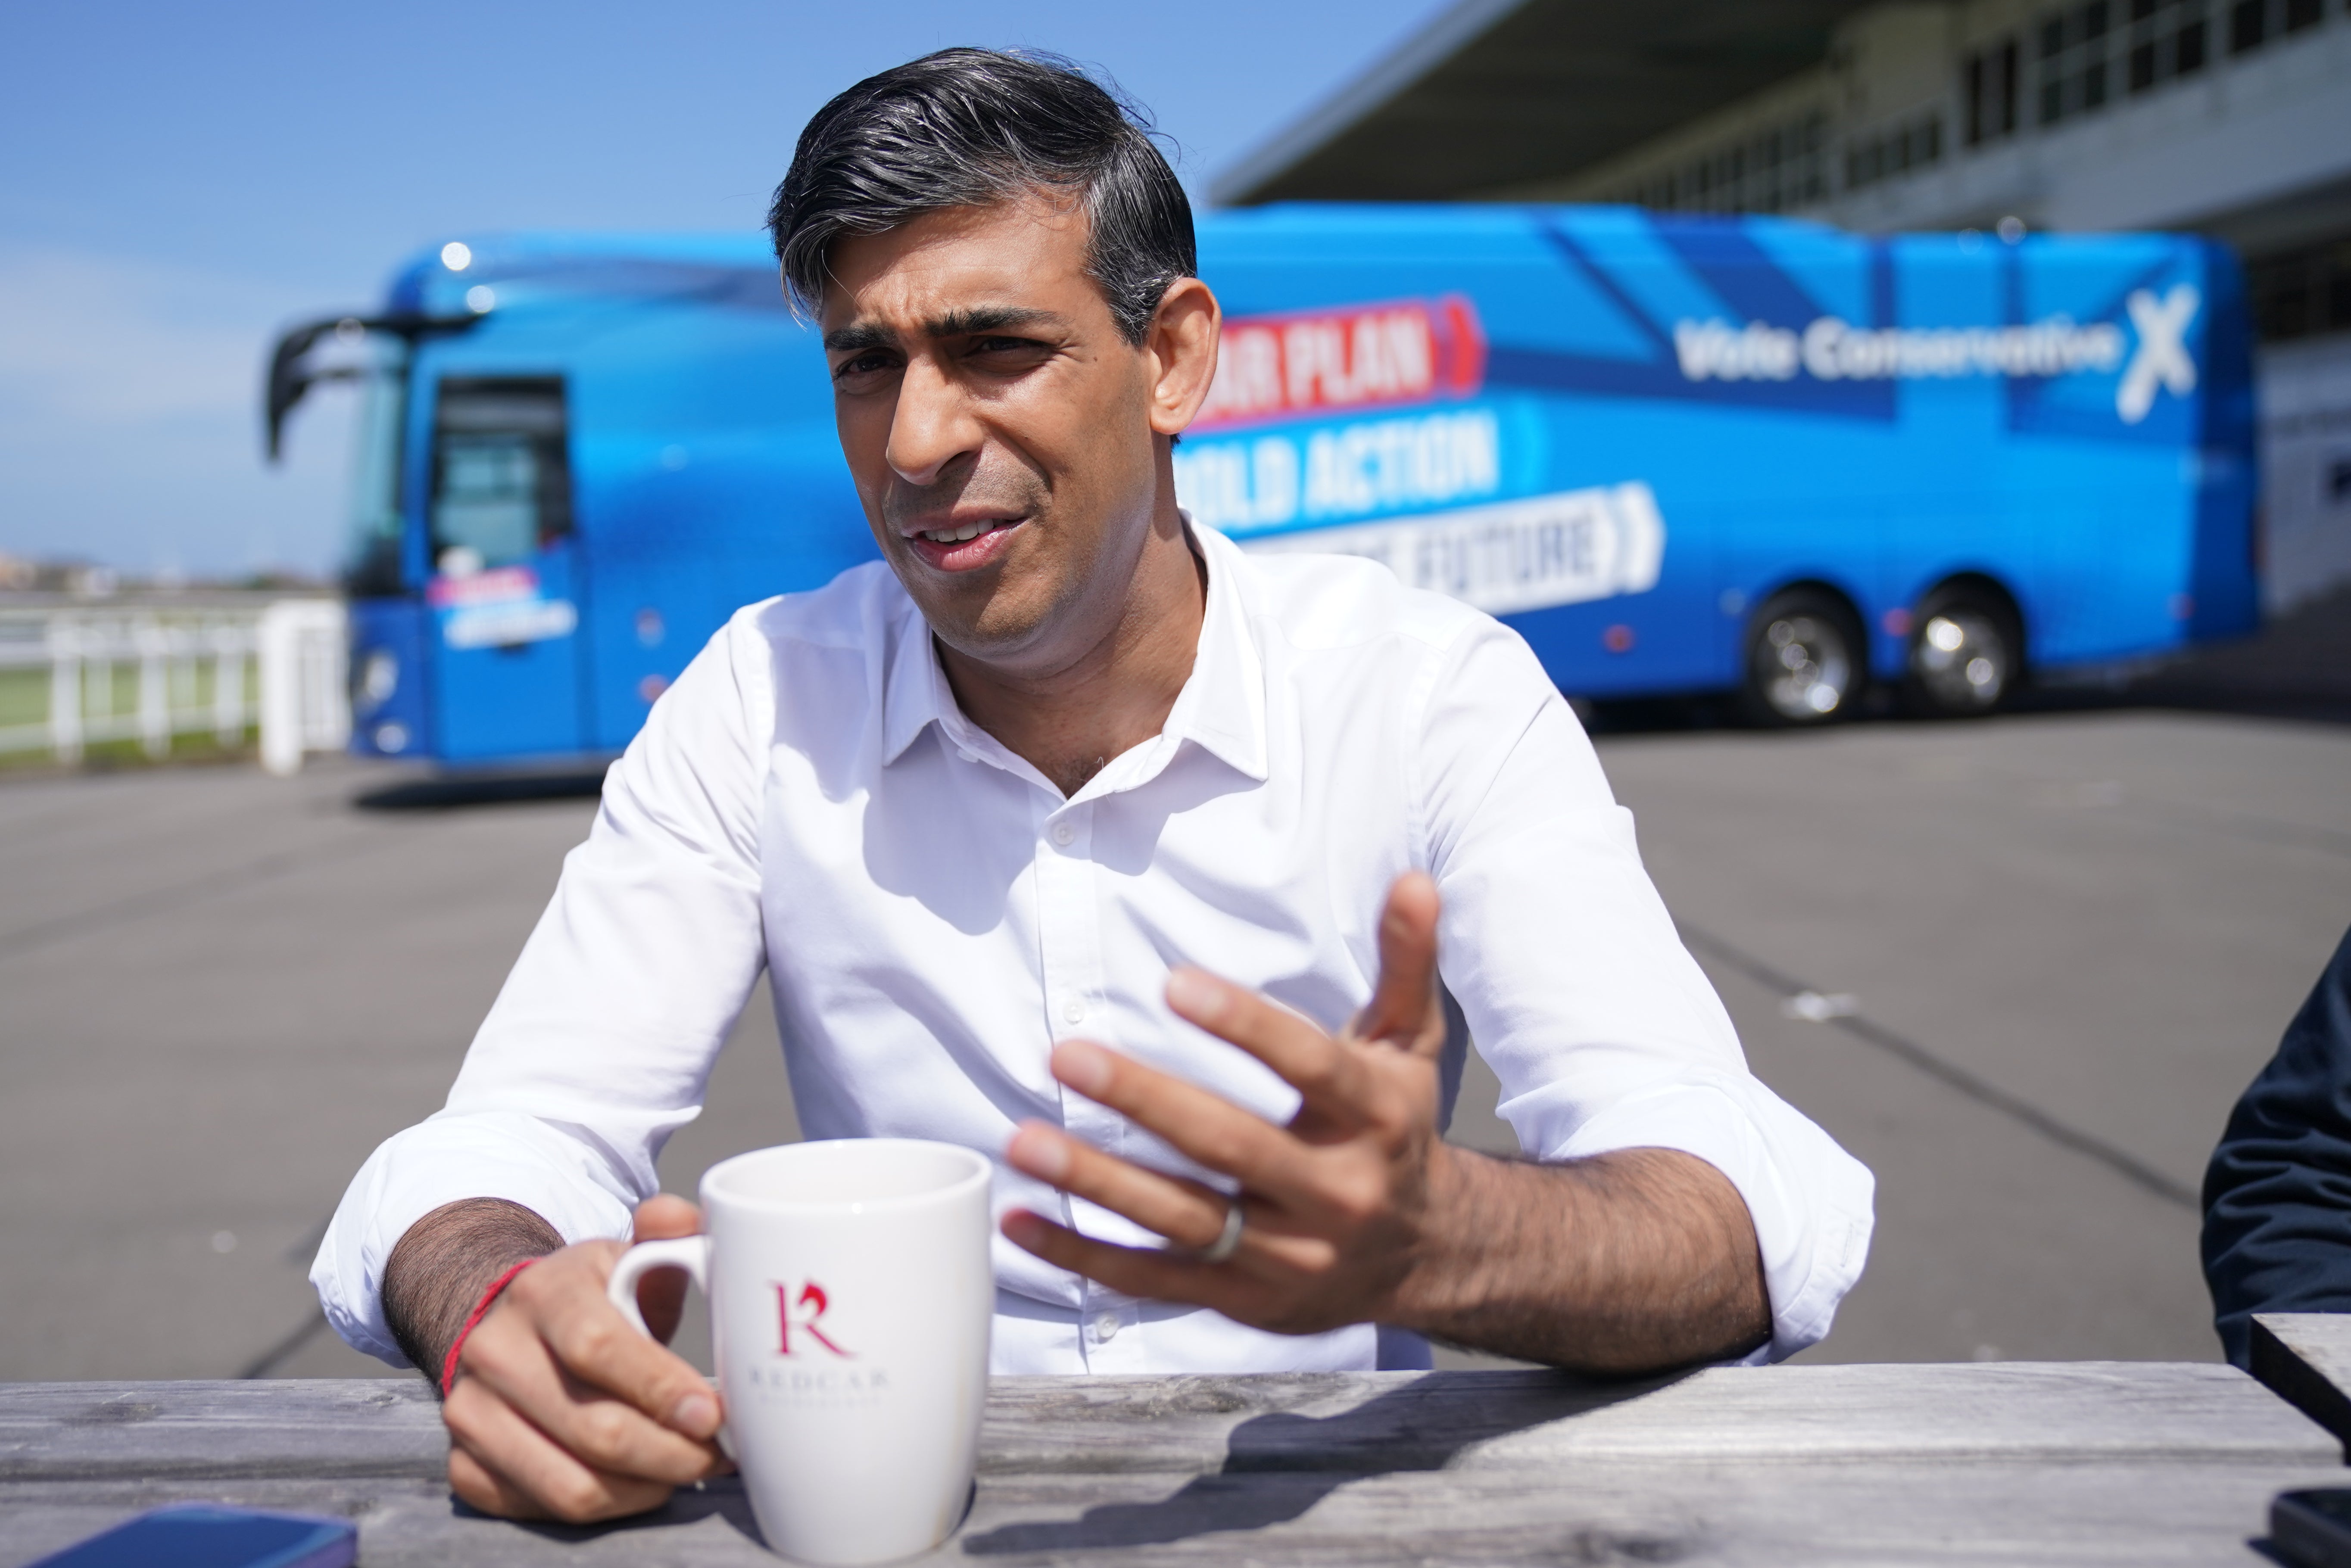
column 963, row 547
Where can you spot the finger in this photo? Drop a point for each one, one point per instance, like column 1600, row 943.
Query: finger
column 1206, row 1128
column 1145, row 1274
column 602, row 1432
column 1155, row 1273
column 1186, row 1212
column 1404, row 1011
column 661, row 1293
column 483, row 1487
column 510, row 1361
column 1318, row 1066
column 563, row 1302
column 558, row 1483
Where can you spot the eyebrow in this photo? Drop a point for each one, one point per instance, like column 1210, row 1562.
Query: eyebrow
column 986, row 318
column 858, row 337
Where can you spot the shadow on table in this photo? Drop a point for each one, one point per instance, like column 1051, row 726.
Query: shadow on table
column 722, row 1497
column 1278, row 1465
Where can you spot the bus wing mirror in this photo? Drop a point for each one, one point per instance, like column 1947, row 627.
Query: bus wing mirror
column 287, row 378
column 290, row 376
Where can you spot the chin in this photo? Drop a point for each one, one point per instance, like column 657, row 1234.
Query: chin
column 991, row 622
column 1019, row 610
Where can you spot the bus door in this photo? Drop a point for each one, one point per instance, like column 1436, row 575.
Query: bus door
column 506, row 574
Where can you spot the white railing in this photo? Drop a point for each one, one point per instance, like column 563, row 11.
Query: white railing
column 306, row 697
column 72, row 678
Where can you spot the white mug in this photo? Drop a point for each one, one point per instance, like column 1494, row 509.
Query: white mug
column 850, row 1294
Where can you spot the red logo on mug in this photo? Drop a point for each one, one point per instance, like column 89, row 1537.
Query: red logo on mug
column 801, row 1314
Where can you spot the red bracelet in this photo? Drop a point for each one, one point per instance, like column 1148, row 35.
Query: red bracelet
column 449, row 1367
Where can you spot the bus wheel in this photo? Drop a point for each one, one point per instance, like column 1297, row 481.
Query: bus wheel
column 1963, row 657
column 1804, row 661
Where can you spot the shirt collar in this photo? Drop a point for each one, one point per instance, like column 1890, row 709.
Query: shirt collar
column 916, row 693
column 1221, row 708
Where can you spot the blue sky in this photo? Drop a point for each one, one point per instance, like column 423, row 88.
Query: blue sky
column 181, row 180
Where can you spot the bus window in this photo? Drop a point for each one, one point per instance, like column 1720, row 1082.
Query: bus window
column 501, row 487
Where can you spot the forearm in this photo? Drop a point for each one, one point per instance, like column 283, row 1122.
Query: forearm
column 440, row 1268
column 1629, row 1262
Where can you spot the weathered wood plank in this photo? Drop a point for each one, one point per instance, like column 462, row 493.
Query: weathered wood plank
column 2064, row 1412
column 1651, row 1512
column 311, row 1429
column 2305, row 1356
column 1753, row 1513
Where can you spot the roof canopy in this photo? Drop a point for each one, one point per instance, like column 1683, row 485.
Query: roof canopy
column 1501, row 92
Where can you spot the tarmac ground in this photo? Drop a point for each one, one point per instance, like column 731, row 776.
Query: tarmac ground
column 2022, row 967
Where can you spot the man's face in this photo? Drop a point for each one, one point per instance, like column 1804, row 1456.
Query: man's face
column 997, row 424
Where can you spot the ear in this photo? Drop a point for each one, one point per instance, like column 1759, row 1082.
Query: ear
column 1181, row 346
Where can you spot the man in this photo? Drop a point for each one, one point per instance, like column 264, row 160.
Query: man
column 1071, row 834
column 2277, row 1197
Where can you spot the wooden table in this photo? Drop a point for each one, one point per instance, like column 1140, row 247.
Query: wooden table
column 2101, row 1462
column 2306, row 1358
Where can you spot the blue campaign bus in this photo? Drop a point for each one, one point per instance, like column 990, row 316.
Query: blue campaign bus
column 1678, row 453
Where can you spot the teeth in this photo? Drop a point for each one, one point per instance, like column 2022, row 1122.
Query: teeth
column 955, row 536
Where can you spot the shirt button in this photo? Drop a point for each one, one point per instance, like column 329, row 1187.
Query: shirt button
column 1073, row 1009
column 1106, row 1327
column 1063, row 833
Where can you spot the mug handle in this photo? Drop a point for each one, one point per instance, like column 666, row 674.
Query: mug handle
column 691, row 1253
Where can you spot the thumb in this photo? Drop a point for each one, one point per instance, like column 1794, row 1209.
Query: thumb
column 661, row 1295
column 664, row 1217
column 1404, row 1010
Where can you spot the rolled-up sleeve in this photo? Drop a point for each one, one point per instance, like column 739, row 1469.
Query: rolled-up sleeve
column 1577, row 991
column 601, row 1041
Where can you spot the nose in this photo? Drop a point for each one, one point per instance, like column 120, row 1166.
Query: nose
column 931, row 425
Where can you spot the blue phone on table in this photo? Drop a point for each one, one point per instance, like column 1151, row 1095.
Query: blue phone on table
column 203, row 1535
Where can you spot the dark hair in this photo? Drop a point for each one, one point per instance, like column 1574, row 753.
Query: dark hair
column 970, row 128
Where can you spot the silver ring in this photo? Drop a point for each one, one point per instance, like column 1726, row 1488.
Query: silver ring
column 1229, row 1241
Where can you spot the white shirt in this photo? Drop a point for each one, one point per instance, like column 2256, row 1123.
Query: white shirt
column 933, row 914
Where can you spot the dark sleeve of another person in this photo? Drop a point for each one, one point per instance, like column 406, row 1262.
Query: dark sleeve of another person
column 2277, row 1198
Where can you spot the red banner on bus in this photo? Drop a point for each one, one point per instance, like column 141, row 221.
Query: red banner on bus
column 1340, row 359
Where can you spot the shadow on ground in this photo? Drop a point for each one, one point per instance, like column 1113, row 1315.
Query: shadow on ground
column 442, row 794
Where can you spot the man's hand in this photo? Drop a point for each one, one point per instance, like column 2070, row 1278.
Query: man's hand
column 1335, row 1205
column 1358, row 1211
column 561, row 1409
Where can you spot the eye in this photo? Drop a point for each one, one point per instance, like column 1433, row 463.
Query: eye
column 863, row 372
column 995, row 352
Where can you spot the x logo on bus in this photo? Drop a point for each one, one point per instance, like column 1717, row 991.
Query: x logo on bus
column 799, row 1314
column 2162, row 358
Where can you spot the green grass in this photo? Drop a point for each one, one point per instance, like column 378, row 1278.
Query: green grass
column 110, row 756
column 23, row 696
